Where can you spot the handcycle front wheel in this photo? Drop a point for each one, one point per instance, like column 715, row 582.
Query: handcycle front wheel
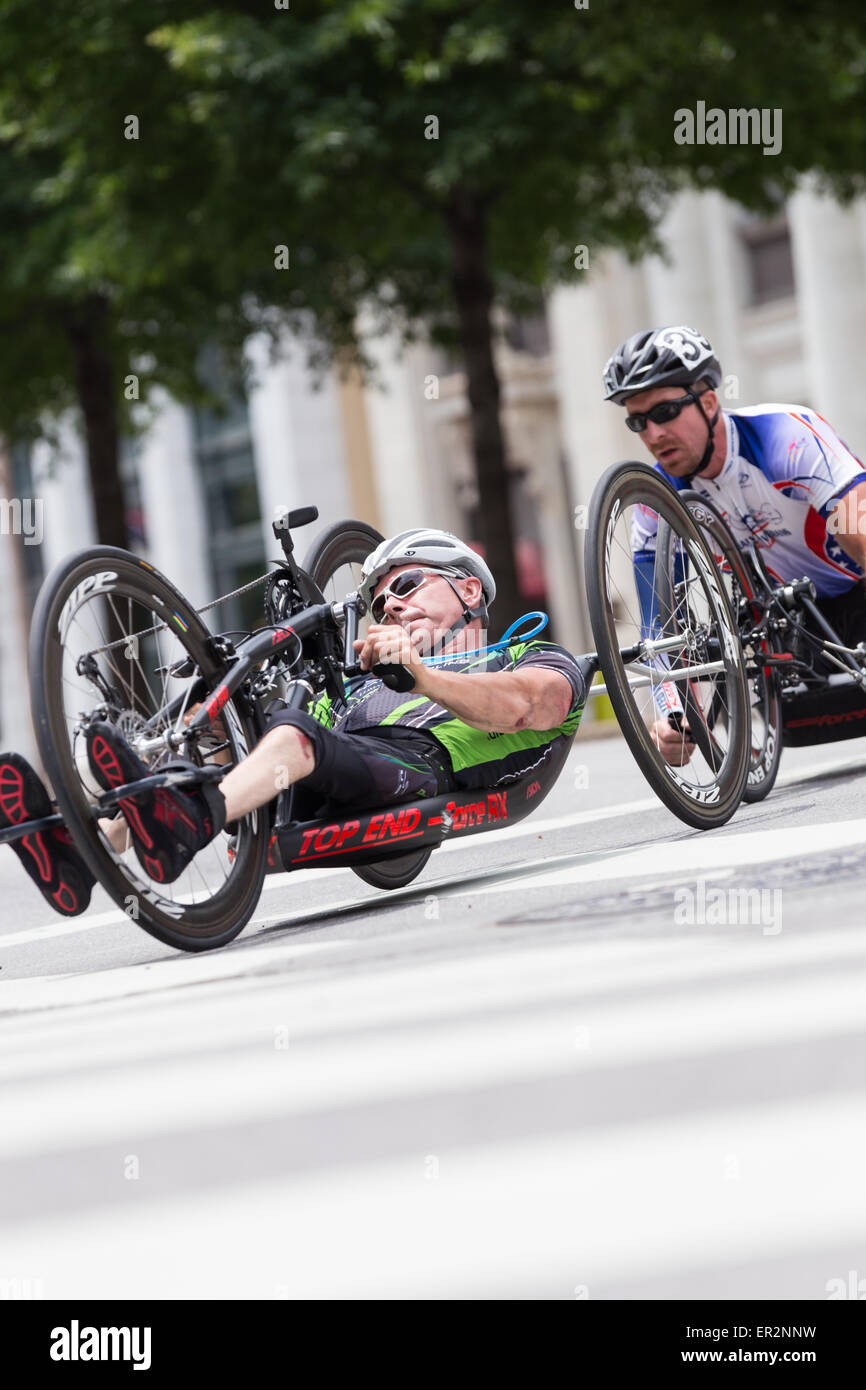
column 112, row 638
column 656, row 655
column 743, row 587
column 334, row 563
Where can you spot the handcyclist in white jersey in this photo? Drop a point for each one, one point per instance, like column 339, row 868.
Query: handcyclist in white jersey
column 779, row 474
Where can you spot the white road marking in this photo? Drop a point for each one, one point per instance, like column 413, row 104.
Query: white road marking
column 568, row 1213
column 700, row 856
column 317, row 1071
column 43, row 991
column 527, row 977
column 222, row 1011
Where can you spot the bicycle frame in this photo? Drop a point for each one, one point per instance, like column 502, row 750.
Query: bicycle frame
column 789, row 610
column 364, row 837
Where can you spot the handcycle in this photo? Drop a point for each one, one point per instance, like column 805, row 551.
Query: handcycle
column 808, row 685
column 113, row 639
column 805, row 684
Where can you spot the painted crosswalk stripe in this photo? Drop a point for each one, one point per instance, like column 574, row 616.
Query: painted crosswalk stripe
column 571, row 1213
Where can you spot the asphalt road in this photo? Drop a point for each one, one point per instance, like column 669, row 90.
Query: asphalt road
column 594, row 1055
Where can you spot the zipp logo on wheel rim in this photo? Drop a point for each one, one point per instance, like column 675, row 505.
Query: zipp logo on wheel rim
column 93, row 584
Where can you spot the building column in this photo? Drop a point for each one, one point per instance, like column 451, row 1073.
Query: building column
column 174, row 514
column 586, row 324
column 682, row 290
column 62, row 481
column 400, row 465
column 533, row 434
column 725, row 269
column 297, row 439
column 830, row 271
column 361, row 476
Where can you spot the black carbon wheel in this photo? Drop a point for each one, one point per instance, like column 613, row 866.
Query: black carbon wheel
column 651, row 648
column 111, row 634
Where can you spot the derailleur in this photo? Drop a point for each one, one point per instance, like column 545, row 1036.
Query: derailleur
column 88, row 667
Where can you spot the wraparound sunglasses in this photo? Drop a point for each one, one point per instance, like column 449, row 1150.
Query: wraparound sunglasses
column 663, row 412
column 404, row 585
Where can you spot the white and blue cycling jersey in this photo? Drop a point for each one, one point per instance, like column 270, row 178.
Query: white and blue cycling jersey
column 784, row 472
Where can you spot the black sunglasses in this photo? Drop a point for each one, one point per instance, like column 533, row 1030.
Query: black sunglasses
column 663, row 412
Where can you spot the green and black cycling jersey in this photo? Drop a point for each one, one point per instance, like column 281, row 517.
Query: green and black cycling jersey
column 478, row 757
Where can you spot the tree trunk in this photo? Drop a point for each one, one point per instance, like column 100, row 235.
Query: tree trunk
column 87, row 328
column 473, row 294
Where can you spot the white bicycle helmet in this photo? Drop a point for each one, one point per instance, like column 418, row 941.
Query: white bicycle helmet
column 434, row 549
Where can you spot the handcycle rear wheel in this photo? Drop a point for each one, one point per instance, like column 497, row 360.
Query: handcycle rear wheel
column 334, row 562
column 742, row 587
column 107, row 629
column 627, row 611
column 335, row 557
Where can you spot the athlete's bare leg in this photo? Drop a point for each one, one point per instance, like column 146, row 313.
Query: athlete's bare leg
column 283, row 756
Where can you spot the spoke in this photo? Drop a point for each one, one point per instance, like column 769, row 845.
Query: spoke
column 163, row 675
column 695, row 608
column 194, row 864
column 129, row 647
column 108, row 660
column 129, row 664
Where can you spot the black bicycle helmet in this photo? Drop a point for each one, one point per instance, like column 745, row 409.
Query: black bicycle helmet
column 677, row 356
column 655, row 357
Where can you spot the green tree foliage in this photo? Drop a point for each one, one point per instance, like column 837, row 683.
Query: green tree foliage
column 311, row 126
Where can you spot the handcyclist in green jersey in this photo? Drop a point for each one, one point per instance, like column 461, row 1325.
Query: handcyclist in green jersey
column 477, row 717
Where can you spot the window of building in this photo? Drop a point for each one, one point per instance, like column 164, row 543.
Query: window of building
column 136, row 528
column 224, row 452
column 769, row 260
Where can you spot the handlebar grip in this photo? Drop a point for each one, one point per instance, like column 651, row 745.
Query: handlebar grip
column 394, row 676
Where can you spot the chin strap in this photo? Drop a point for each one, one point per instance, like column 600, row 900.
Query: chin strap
column 708, row 451
column 469, row 616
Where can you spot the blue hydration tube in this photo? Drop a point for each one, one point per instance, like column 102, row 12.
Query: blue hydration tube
column 505, row 640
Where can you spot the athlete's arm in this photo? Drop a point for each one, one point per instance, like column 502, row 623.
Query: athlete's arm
column 673, row 740
column 504, row 701
column 847, row 522
column 496, row 701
